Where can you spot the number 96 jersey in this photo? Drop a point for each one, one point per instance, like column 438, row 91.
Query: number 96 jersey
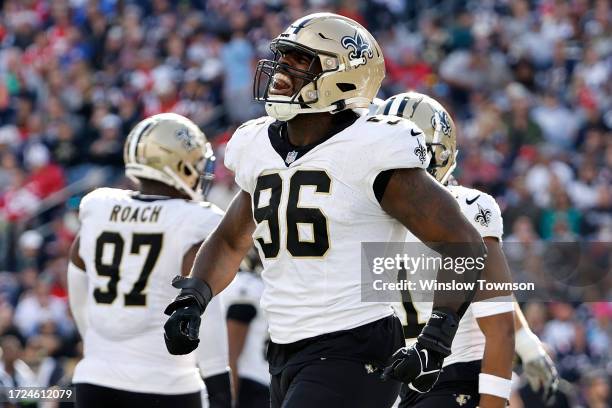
column 313, row 207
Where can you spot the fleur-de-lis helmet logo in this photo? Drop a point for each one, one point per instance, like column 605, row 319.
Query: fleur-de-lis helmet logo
column 360, row 48
column 188, row 141
column 483, row 217
column 440, row 118
column 421, row 152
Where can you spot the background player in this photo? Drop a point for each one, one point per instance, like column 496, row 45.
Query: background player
column 313, row 187
column 248, row 337
column 119, row 278
column 484, row 341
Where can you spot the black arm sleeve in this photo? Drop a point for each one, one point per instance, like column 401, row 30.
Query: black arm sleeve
column 380, row 183
column 242, row 312
column 219, row 390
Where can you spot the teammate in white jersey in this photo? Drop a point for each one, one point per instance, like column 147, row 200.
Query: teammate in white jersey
column 248, row 336
column 478, row 371
column 129, row 246
column 317, row 180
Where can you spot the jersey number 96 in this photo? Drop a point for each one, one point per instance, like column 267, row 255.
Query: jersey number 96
column 318, row 245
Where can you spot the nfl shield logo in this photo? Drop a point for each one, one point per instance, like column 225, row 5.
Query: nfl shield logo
column 291, row 156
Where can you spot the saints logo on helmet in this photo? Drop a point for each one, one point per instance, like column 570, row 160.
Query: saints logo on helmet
column 171, row 149
column 361, row 49
column 441, row 118
column 429, row 115
column 346, row 70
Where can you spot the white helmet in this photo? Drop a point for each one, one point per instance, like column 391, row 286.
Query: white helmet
column 438, row 126
column 171, row 149
column 352, row 67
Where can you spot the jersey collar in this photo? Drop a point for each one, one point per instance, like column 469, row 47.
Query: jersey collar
column 145, row 197
column 277, row 133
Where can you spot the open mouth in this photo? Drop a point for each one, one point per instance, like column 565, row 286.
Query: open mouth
column 281, row 85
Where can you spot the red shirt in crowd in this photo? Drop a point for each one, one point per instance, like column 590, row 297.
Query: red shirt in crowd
column 46, row 180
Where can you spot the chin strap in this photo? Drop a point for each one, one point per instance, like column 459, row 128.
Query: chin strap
column 287, row 111
column 283, row 109
column 449, row 172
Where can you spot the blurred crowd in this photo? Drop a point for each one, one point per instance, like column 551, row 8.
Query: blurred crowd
column 528, row 83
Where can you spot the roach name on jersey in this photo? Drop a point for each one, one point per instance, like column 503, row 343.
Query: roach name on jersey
column 139, row 214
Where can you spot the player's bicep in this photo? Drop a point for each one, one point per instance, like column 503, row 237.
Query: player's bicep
column 237, row 225
column 425, row 207
column 495, row 269
column 218, row 259
column 491, row 324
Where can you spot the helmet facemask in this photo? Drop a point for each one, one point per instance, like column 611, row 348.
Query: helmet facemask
column 443, row 161
column 440, row 157
column 284, row 107
column 205, row 168
column 207, row 175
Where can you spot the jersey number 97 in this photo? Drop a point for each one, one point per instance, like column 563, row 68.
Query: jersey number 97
column 112, row 270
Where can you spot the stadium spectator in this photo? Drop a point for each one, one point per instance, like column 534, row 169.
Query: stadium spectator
column 596, row 390
column 35, row 309
column 14, row 372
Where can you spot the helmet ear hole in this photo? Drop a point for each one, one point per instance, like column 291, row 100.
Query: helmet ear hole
column 345, row 86
column 181, row 167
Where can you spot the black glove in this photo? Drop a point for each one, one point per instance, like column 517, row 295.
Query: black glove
column 415, row 366
column 182, row 329
column 419, row 365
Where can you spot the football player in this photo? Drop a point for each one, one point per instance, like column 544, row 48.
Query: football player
column 317, row 179
column 119, row 282
column 478, row 371
column 247, row 330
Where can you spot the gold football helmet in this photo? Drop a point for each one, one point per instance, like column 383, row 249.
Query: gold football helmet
column 352, row 67
column 171, row 149
column 438, row 126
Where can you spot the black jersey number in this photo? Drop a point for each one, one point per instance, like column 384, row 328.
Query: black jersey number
column 313, row 218
column 112, row 269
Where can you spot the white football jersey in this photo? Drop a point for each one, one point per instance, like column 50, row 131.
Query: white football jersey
column 133, row 246
column 246, row 289
column 469, row 342
column 313, row 207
